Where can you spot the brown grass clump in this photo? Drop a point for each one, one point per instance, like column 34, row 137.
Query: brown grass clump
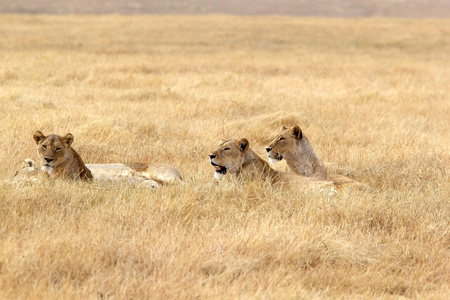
column 371, row 95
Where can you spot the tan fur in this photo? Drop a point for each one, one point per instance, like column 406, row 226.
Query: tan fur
column 59, row 159
column 27, row 172
column 152, row 174
column 292, row 146
column 236, row 157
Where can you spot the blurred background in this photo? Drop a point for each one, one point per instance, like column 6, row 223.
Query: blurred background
column 307, row 8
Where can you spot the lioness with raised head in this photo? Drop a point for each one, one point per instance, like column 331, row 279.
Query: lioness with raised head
column 58, row 157
column 296, row 149
column 292, row 146
column 60, row 160
column 236, row 157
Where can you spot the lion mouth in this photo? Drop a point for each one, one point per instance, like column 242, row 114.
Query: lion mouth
column 219, row 169
column 275, row 159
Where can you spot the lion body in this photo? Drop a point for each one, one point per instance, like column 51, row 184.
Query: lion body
column 297, row 151
column 152, row 174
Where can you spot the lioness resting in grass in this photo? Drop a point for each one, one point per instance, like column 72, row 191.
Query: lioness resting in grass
column 236, row 157
column 292, row 146
column 60, row 160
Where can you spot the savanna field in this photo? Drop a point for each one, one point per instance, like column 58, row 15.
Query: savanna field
column 372, row 96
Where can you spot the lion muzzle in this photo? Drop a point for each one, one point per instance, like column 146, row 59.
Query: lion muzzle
column 220, row 170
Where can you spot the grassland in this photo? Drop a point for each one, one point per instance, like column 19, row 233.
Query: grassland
column 371, row 95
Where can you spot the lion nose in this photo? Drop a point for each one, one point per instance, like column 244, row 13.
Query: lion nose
column 268, row 149
column 48, row 159
column 211, row 156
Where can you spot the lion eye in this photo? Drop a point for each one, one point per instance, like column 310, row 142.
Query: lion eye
column 44, row 147
column 280, row 139
column 226, row 149
column 57, row 149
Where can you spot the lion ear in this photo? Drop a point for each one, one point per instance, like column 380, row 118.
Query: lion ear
column 242, row 145
column 68, row 139
column 296, row 132
column 38, row 136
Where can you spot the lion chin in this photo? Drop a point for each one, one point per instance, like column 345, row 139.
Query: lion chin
column 274, row 160
column 47, row 169
column 218, row 176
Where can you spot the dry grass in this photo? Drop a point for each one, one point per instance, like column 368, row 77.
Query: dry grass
column 372, row 96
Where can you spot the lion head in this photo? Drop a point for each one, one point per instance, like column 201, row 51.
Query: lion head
column 292, row 146
column 283, row 142
column 229, row 156
column 52, row 149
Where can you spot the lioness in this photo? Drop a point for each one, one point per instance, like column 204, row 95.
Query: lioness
column 291, row 145
column 296, row 149
column 60, row 160
column 236, row 157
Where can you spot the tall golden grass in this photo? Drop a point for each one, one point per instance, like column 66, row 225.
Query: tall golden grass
column 371, row 95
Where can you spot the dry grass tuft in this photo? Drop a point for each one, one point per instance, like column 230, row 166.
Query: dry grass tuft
column 371, row 95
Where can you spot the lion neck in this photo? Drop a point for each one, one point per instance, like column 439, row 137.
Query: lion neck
column 252, row 163
column 82, row 171
column 303, row 160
